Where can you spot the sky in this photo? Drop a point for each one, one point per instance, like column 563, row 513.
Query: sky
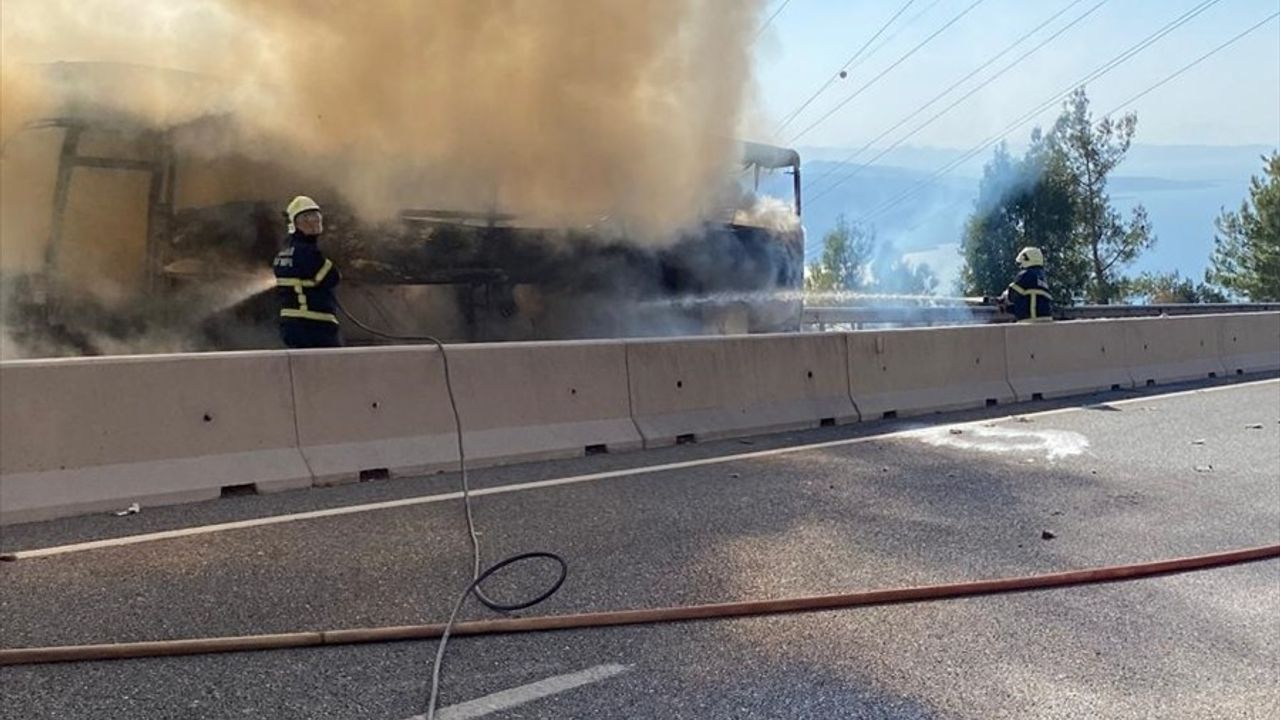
column 1233, row 98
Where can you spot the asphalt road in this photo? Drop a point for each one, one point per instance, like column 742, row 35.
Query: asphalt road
column 1120, row 478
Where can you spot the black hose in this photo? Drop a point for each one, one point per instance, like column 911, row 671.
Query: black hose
column 477, row 577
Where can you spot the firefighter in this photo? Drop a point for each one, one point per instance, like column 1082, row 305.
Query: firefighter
column 305, row 281
column 1027, row 297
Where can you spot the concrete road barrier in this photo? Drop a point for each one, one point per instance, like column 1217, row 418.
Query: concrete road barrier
column 372, row 412
column 93, row 434
column 526, row 401
column 906, row 372
column 1250, row 342
column 377, row 412
column 1065, row 358
column 702, row 388
column 1173, row 349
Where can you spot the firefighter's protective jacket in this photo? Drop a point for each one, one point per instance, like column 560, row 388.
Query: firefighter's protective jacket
column 1028, row 296
column 305, row 280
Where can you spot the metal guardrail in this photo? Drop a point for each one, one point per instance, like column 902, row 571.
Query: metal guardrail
column 900, row 315
column 1089, row 312
column 972, row 314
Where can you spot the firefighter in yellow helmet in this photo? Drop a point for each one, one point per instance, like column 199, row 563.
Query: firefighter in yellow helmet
column 1028, row 297
column 305, row 281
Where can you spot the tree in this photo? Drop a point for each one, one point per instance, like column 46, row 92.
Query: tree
column 1090, row 152
column 1023, row 201
column 1171, row 288
column 895, row 276
column 846, row 256
column 1246, row 252
column 850, row 262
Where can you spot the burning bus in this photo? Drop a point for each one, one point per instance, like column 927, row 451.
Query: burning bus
column 124, row 236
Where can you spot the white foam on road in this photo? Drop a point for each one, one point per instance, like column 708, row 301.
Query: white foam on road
column 507, row 699
column 1051, row 444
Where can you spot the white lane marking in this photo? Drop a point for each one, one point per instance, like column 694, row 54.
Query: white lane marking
column 1154, row 396
column 556, row 482
column 507, row 699
column 1053, row 444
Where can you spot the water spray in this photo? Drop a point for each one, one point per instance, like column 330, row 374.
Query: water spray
column 816, row 298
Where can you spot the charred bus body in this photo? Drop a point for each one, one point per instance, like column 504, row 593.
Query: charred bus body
column 119, row 238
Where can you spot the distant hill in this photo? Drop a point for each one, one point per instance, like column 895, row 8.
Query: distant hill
column 1183, row 188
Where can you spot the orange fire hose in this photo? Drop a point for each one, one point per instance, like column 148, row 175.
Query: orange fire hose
column 196, row 646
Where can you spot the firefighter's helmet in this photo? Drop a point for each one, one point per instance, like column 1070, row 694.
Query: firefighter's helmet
column 297, row 206
column 1030, row 257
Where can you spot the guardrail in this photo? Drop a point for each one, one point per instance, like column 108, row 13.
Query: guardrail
column 926, row 315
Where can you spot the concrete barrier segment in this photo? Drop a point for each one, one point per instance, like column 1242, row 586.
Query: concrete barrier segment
column 88, row 434
column 1173, row 349
column 372, row 412
column 705, row 388
column 1250, row 342
column 532, row 401
column 1057, row 359
column 913, row 371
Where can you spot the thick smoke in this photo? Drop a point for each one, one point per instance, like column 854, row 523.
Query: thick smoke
column 563, row 112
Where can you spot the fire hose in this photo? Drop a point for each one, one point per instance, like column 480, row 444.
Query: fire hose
column 198, row 646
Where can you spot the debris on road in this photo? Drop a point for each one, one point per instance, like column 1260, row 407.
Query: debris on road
column 1253, row 426
column 1199, row 441
column 1047, row 535
column 957, row 431
column 133, row 509
column 1204, row 468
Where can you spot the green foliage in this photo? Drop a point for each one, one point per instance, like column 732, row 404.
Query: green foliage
column 1023, row 201
column 1246, row 253
column 1090, row 152
column 1054, row 197
column 1171, row 288
column 850, row 262
column 897, row 277
column 846, row 254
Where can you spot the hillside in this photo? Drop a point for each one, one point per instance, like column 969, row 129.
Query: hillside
column 1182, row 187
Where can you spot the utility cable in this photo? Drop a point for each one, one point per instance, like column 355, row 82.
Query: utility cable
column 1193, row 63
column 775, row 14
column 887, row 70
column 477, row 577
column 947, row 91
column 842, row 72
column 1035, row 112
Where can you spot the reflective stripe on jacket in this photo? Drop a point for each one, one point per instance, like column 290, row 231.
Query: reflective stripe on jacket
column 1029, row 297
column 305, row 280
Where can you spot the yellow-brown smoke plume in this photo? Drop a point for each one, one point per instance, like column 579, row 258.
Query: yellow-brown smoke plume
column 559, row 110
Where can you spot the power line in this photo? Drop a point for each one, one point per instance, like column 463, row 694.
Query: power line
column 887, row 70
column 1193, row 63
column 1035, row 112
column 775, row 14
column 843, row 69
column 896, row 32
column 857, row 59
column 1017, row 61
